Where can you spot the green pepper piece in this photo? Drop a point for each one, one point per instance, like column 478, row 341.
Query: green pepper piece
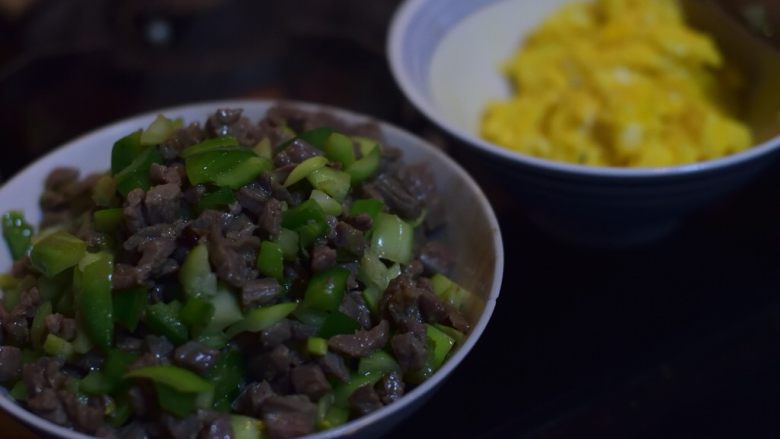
column 304, row 168
column 270, row 260
column 378, row 362
column 92, row 284
column 226, row 375
column 136, row 175
column 195, row 276
column 104, row 191
column 244, row 427
column 196, row 314
column 107, row 220
column 373, row 272
column 19, row 391
column 452, row 333
column 160, row 130
column 177, row 378
column 178, row 403
column 94, row 384
column 328, row 204
column 367, row 166
column 372, row 295
column 337, row 323
column 308, row 233
column 162, row 319
column 38, row 326
column 343, row 391
column 243, row 173
column 288, row 242
column 129, row 306
column 339, row 148
column 56, row 253
column 121, row 412
column 223, row 143
column 326, row 289
column 317, row 346
column 369, row 206
column 264, row 149
column 336, row 416
column 331, row 181
column 392, row 238
column 115, row 368
column 216, row 199
column 450, row 291
column 316, row 138
column 305, row 213
column 58, row 347
column 217, row 340
column 260, row 319
column 226, row 310
column 440, row 345
column 17, row 233
column 125, row 150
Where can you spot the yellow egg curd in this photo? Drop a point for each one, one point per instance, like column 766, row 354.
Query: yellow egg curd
column 618, row 83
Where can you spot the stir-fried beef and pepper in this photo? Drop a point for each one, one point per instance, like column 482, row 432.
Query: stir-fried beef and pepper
column 235, row 279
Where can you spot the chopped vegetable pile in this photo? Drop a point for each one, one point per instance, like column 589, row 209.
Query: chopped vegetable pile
column 235, row 279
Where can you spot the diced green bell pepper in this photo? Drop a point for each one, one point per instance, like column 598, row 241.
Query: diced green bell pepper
column 196, row 314
column 378, row 362
column 38, row 326
column 160, row 130
column 17, row 233
column 270, row 260
column 370, row 206
column 304, row 169
column 328, row 204
column 326, row 289
column 226, row 375
column 58, row 347
column 92, row 285
column 226, row 310
column 288, row 242
column 195, row 275
column 107, row 220
column 245, row 427
column 342, row 391
column 339, row 148
column 331, row 181
column 136, row 174
column 125, row 150
column 441, row 344
column 337, row 323
column 223, row 143
column 56, row 253
column 216, row 199
column 104, row 191
column 162, row 319
column 368, row 165
column 177, row 378
column 392, row 238
column 451, row 292
column 317, row 346
column 129, row 306
column 260, row 319
column 374, row 273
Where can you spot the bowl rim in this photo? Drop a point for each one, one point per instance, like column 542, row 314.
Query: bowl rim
column 16, row 410
column 399, row 24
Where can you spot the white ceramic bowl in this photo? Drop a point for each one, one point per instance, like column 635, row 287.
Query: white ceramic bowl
column 445, row 55
column 472, row 232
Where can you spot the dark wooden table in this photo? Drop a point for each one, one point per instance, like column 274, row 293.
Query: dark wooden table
column 679, row 338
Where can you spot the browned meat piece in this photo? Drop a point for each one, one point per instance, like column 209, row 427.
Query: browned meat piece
column 219, row 428
column 355, row 307
column 309, row 380
column 230, row 123
column 86, row 417
column 390, row 388
column 61, row 326
column 163, row 203
column 362, row 342
column 399, row 304
column 364, row 400
column 275, row 335
column 390, row 189
column 133, row 211
column 362, row 221
column 251, row 399
column 182, row 428
column 229, row 264
column 334, row 366
column 420, row 183
column 297, row 151
column 259, row 292
column 10, row 363
column 349, row 238
column 410, row 350
column 253, row 197
column 289, row 416
column 270, row 219
column 322, row 258
column 60, row 177
column 46, row 405
column 436, row 258
column 196, row 356
column 161, row 174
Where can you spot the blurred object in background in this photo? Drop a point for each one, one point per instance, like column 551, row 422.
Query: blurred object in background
column 67, row 67
column 762, row 17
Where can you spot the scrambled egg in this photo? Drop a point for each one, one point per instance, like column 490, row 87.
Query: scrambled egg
column 618, row 83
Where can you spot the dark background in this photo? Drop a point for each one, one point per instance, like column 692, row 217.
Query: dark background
column 678, row 338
